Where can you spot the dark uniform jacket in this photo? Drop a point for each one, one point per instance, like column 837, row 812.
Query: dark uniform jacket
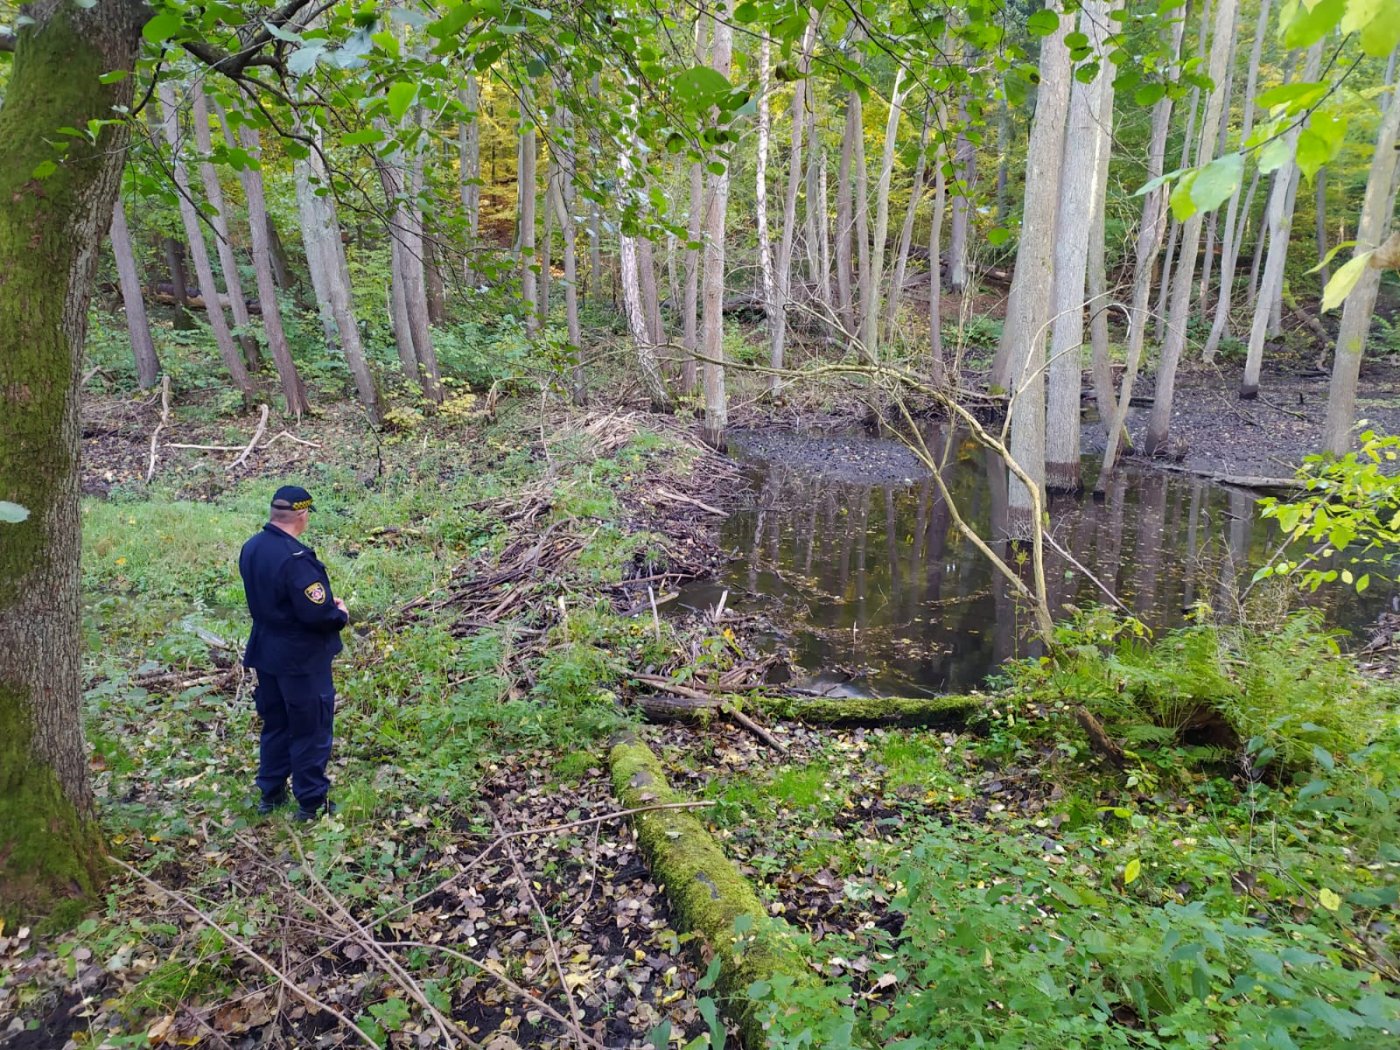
column 296, row 625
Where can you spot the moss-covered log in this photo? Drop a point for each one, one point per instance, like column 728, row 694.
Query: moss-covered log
column 950, row 712
column 57, row 206
column 705, row 888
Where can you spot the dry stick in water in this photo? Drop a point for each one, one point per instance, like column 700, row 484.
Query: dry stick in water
column 285, row 981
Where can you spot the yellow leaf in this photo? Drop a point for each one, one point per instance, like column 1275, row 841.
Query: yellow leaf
column 1330, row 900
column 1132, row 871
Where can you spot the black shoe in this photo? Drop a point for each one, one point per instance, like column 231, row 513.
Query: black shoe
column 271, row 802
column 304, row 815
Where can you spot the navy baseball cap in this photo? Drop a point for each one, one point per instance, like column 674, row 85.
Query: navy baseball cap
column 292, row 497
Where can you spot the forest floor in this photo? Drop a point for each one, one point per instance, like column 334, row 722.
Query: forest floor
column 479, row 870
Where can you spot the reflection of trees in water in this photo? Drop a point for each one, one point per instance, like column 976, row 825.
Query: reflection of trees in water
column 878, row 576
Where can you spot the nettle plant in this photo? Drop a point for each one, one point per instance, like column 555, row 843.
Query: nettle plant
column 1348, row 518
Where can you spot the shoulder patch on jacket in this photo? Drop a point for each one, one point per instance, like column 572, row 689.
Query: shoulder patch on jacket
column 316, row 593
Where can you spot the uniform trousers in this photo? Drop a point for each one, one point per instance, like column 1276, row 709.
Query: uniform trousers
column 298, row 714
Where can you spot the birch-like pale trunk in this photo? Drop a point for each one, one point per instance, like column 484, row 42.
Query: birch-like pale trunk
column 873, row 282
column 469, row 172
column 415, row 258
column 1235, row 216
column 330, row 271
column 214, row 194
column 1079, row 176
column 845, row 296
column 768, row 293
column 906, row 235
column 629, row 266
column 1096, row 276
column 1324, row 274
column 595, row 218
column 716, row 425
column 938, row 363
column 651, row 294
column 778, row 290
column 199, row 253
column 1213, row 219
column 293, row 390
column 866, row 294
column 525, row 196
column 564, row 199
column 546, row 246
column 1022, row 347
column 965, row 174
column 1159, row 422
column 1280, row 223
column 1377, row 211
column 138, row 327
column 690, row 319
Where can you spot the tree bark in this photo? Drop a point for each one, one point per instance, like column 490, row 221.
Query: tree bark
column 781, row 282
column 1280, row 221
column 1079, row 178
column 330, row 273
column 214, row 194
column 50, row 236
column 938, row 362
column 690, row 338
column 634, row 305
column 175, row 263
column 1234, row 216
column 565, row 198
column 1377, row 210
column 1096, row 276
column 1021, row 353
column 874, row 281
column 469, row 172
column 965, row 174
column 1149, row 243
column 525, row 212
column 845, row 301
column 415, row 260
column 906, row 234
column 768, row 293
column 716, row 425
column 194, row 233
column 1324, row 274
column 1183, row 281
column 293, row 391
column 143, row 347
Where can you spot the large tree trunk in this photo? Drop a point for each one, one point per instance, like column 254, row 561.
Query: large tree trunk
column 293, row 392
column 1234, row 217
column 1184, row 279
column 175, row 263
column 716, row 425
column 1079, row 176
column 214, row 194
column 1376, row 216
column 194, row 233
column 50, row 235
column 1280, row 221
column 143, row 348
column 1020, row 364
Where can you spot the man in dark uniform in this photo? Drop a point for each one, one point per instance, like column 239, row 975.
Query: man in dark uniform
column 296, row 632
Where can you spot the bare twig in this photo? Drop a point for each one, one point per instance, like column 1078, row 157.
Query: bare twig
column 164, row 419
column 231, row 938
column 257, row 436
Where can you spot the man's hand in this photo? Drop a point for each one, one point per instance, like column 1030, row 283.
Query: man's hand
column 340, row 604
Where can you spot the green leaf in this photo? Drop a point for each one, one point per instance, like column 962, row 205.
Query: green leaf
column 1183, row 207
column 364, row 137
column 1275, row 155
column 1320, row 141
column 700, row 87
column 400, row 96
column 1326, row 259
column 1342, row 282
column 1304, row 94
column 1149, row 94
column 12, row 513
column 1132, row 871
column 1311, row 24
column 1152, row 184
column 1217, row 181
column 1329, row 899
column 1324, row 758
column 113, row 77
column 998, row 235
column 1363, row 583
column 1042, row 23
column 44, row 169
column 162, row 27
column 1378, row 24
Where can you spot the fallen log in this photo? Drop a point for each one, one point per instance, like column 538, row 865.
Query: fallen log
column 952, row 712
column 709, row 894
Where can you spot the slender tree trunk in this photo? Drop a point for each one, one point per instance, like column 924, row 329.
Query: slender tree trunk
column 214, row 194
column 845, row 301
column 1096, row 277
column 716, row 425
column 767, row 287
column 875, row 280
column 1022, row 348
column 1079, row 177
column 143, row 348
column 823, row 219
column 330, row 272
column 864, row 278
column 1213, row 220
column 1324, row 274
column 1234, row 216
column 564, row 200
column 690, row 340
column 632, row 295
column 293, row 391
column 175, row 263
column 414, row 256
column 551, row 173
column 1160, row 419
column 50, row 236
column 595, row 243
column 194, row 233
column 939, row 363
column 1280, row 221
column 906, row 235
column 965, row 158
column 525, row 212
column 277, row 257
column 1377, row 210
column 1260, row 241
column 778, row 278
column 651, row 296
column 435, row 285
column 391, row 177
column 469, row 172
column 1004, row 130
